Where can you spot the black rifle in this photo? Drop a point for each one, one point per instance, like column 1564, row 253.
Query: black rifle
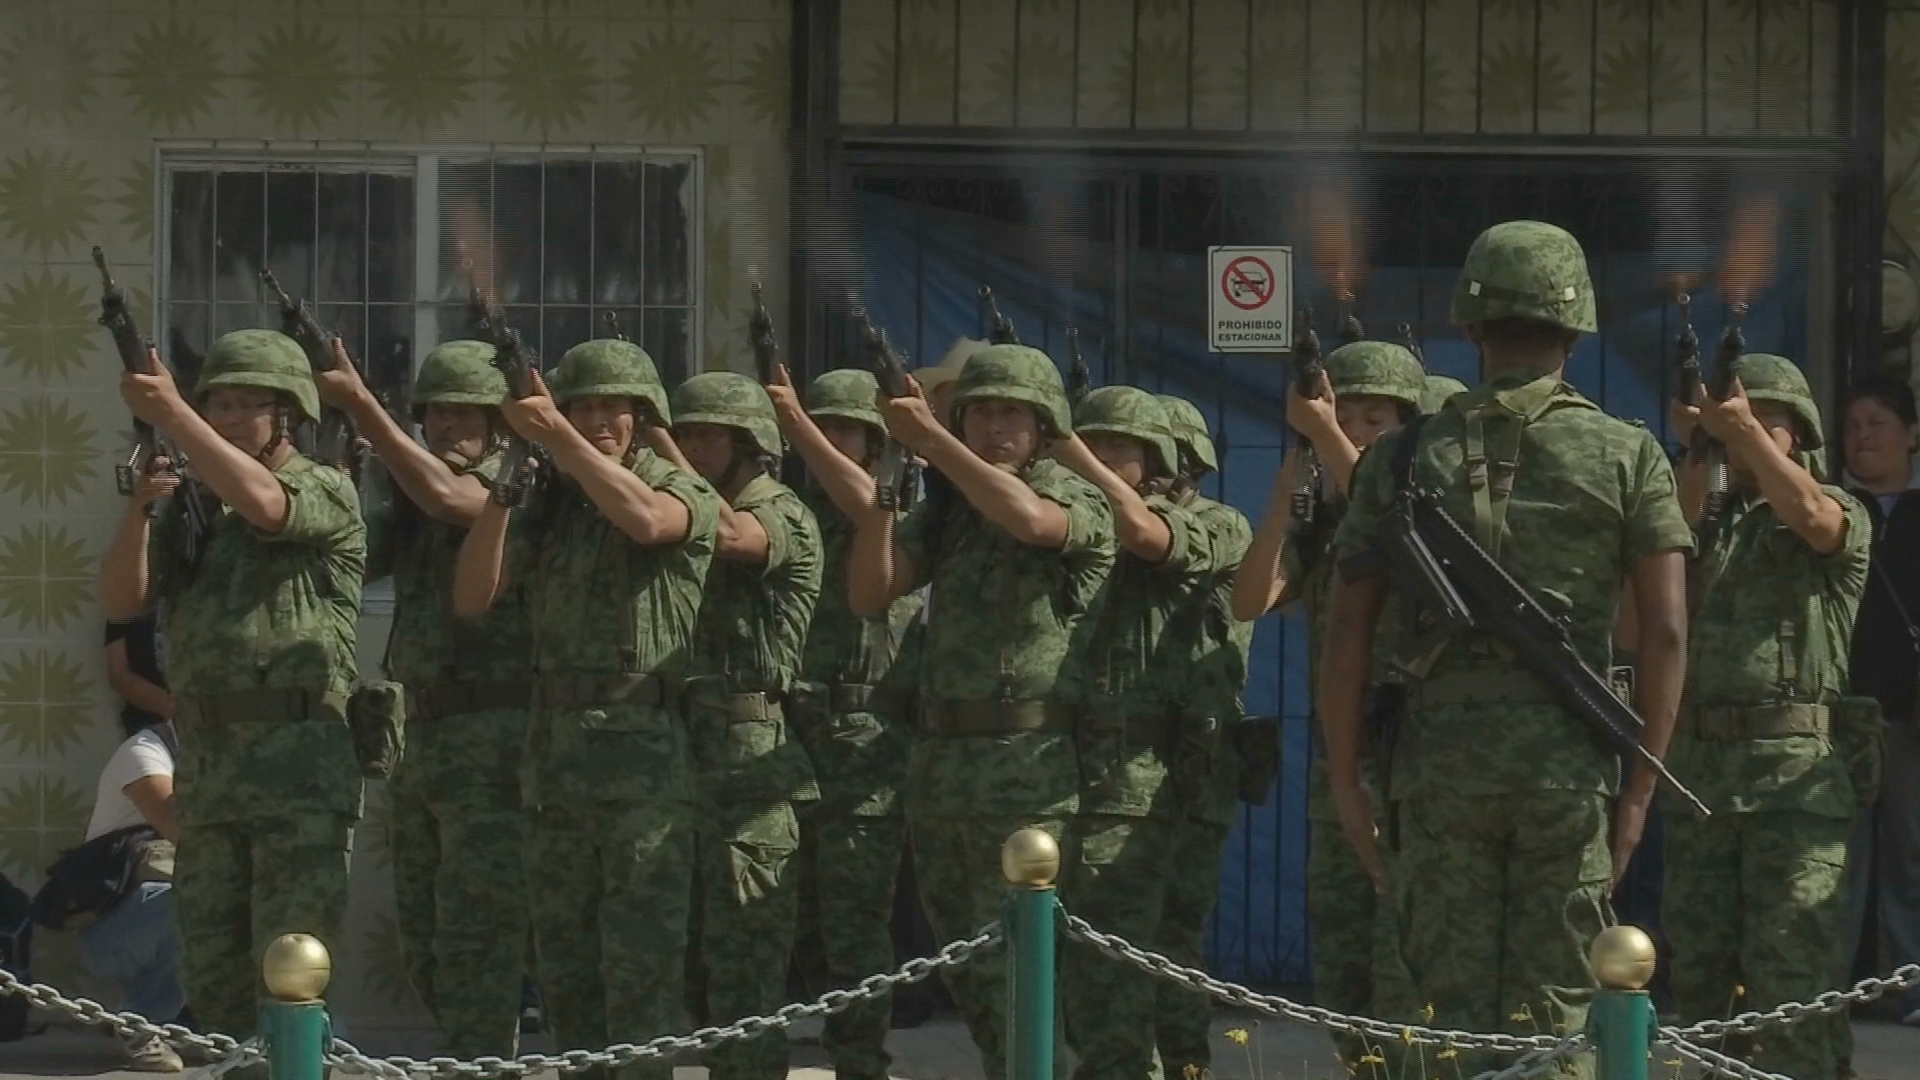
column 518, row 462
column 134, row 351
column 612, row 319
column 1726, row 368
column 766, row 348
column 1308, row 369
column 897, row 477
column 1462, row 587
column 1079, row 379
column 1412, row 343
column 1000, row 329
column 337, row 441
column 1350, row 328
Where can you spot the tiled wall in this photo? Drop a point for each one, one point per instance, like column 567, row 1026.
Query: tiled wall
column 87, row 86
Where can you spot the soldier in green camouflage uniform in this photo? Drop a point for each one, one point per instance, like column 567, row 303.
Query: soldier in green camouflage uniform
column 1145, row 641
column 853, row 723
column 753, row 771
column 259, row 615
column 1218, row 757
column 1499, row 797
column 1438, row 389
column 613, row 552
column 1753, row 894
column 1016, row 564
column 1372, row 388
column 457, row 878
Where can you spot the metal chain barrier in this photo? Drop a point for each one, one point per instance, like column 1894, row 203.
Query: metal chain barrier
column 1795, row 1012
column 1715, row 1062
column 348, row 1059
column 229, row 1052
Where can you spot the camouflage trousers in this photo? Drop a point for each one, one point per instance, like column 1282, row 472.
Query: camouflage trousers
column 962, row 888
column 1121, row 884
column 459, row 884
column 238, row 886
column 1754, row 906
column 848, row 866
column 609, row 885
column 745, row 913
column 1182, row 1018
column 1493, row 903
column 1343, row 929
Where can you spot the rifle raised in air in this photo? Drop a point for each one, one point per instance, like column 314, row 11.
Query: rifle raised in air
column 517, row 462
column 766, row 348
column 1726, row 368
column 897, row 477
column 1079, row 379
column 1000, row 330
column 337, row 442
column 1308, row 369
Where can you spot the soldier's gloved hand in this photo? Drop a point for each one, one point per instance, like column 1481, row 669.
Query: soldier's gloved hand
column 1314, row 417
column 341, row 387
column 153, row 396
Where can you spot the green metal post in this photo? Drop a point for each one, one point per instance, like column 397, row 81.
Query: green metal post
column 1621, row 1023
column 1030, row 860
column 294, row 1026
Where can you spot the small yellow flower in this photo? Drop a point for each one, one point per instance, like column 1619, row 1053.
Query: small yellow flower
column 1406, row 1035
column 1373, row 1059
column 1426, row 1013
column 1238, row 1036
column 1191, row 1072
column 1525, row 1014
column 1673, row 1063
column 1739, row 991
column 1447, row 1054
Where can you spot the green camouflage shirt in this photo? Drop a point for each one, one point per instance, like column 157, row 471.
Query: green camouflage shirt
column 859, row 756
column 1772, row 624
column 266, row 612
column 429, row 644
column 601, row 604
column 1592, row 495
column 1144, row 645
column 1006, row 619
column 753, row 624
column 1216, row 674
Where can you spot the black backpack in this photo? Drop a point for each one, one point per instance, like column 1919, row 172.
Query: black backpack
column 91, row 879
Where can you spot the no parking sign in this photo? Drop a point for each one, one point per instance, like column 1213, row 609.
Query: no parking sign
column 1250, row 299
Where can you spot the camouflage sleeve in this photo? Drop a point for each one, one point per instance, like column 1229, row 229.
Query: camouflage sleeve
column 322, row 508
column 1370, row 496
column 1655, row 522
column 789, row 540
column 1089, row 517
column 1850, row 560
column 1194, row 549
column 911, row 540
column 702, row 503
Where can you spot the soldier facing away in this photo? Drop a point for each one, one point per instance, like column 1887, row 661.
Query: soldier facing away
column 614, row 554
column 1016, row 564
column 457, row 827
column 1218, row 756
column 259, row 616
column 1753, row 895
column 1370, row 388
column 851, row 715
column 1493, row 781
column 1144, row 641
column 760, row 598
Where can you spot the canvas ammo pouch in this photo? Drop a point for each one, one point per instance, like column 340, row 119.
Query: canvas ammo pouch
column 377, row 719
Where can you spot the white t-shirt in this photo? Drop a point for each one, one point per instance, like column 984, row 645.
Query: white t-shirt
column 143, row 755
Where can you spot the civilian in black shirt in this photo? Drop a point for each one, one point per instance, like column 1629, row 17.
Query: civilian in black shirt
column 133, row 670
column 1881, row 438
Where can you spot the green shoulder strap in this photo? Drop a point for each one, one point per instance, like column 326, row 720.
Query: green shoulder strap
column 1491, row 470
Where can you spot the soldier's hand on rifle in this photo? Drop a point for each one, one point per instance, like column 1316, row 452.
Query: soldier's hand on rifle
column 1314, row 417
column 159, row 481
column 1683, row 419
column 341, row 387
column 535, row 417
column 153, row 397
column 909, row 419
column 1290, row 469
column 787, row 407
column 1728, row 420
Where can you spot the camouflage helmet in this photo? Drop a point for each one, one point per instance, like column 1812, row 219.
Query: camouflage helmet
column 1767, row 377
column 267, row 359
column 1016, row 373
column 1377, row 369
column 848, row 393
column 1526, row 270
column 459, row 373
column 1129, row 410
column 1439, row 389
column 729, row 399
column 609, row 367
column 1189, row 429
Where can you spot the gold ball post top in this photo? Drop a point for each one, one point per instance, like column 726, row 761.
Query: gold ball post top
column 1031, row 857
column 297, row 968
column 1622, row 958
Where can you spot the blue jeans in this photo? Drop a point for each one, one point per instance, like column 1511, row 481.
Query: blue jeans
column 137, row 948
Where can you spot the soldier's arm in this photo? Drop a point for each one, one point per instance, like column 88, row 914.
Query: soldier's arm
column 1347, row 669
column 237, row 477
column 845, row 480
column 437, row 490
column 479, row 572
column 1004, row 499
column 741, row 537
column 1793, row 492
column 1318, row 419
column 1659, row 590
column 1261, row 582
column 124, row 582
column 646, row 514
column 1140, row 530
column 880, row 567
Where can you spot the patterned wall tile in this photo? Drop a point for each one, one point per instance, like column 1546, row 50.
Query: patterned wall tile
column 928, row 47
column 760, row 82
column 988, row 77
column 867, row 67
column 1221, row 38
column 1163, row 67
column 39, row 816
column 1394, row 77
column 298, row 77
column 47, row 575
column 1452, row 51
column 47, row 326
column 425, row 78
column 1106, row 73
column 51, row 199
column 1566, row 50
column 49, row 451
column 177, row 74
column 1732, row 67
column 548, row 76
column 669, row 80
column 1512, row 80
column 1048, row 82
column 48, row 703
column 1334, row 39
column 51, row 69
column 1678, row 71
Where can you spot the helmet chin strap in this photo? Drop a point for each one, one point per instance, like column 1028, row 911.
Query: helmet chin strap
column 281, row 427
